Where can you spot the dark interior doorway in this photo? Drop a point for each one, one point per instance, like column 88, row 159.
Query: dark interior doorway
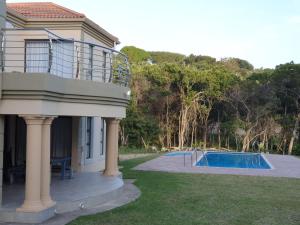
column 14, row 155
column 61, row 137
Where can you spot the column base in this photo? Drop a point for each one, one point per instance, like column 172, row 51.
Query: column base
column 20, row 217
column 108, row 173
column 48, row 203
column 31, row 206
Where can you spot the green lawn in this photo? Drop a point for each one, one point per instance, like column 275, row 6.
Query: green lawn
column 187, row 199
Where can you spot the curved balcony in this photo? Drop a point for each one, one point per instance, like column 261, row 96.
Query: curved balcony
column 43, row 73
column 42, row 51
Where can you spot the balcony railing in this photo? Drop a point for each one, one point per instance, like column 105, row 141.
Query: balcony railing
column 42, row 51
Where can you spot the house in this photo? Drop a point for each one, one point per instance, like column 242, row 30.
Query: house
column 64, row 89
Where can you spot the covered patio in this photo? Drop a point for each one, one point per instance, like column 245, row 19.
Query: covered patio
column 39, row 193
column 87, row 190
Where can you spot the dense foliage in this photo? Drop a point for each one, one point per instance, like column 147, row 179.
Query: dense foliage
column 180, row 101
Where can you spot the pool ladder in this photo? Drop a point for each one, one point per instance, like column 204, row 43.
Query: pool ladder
column 204, row 156
column 194, row 152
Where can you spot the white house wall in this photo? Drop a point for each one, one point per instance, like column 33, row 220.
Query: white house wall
column 97, row 161
column 99, row 73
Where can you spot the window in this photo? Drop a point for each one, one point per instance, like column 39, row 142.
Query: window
column 102, row 133
column 37, row 56
column 104, row 65
column 90, row 63
column 89, row 137
column 39, row 60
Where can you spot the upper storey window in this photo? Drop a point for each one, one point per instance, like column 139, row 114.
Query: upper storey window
column 45, row 57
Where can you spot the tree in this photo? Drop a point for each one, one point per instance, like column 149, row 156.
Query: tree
column 135, row 55
column 166, row 57
column 199, row 60
column 253, row 101
column 188, row 101
column 286, row 81
column 240, row 67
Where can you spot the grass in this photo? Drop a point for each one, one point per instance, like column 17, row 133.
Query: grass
column 196, row 199
column 134, row 150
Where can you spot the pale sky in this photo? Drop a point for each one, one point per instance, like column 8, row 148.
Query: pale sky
column 264, row 32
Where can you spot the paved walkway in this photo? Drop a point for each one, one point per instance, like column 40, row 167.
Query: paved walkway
column 129, row 193
column 284, row 166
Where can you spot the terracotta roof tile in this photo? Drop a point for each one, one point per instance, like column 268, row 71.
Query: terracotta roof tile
column 43, row 10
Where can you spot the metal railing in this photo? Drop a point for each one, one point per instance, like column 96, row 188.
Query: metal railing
column 42, row 51
column 193, row 156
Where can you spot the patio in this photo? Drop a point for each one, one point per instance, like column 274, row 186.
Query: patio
column 85, row 191
column 283, row 166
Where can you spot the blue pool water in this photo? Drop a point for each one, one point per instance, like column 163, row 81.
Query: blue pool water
column 178, row 153
column 233, row 160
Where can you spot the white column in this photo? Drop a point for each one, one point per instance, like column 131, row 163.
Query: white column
column 32, row 202
column 111, row 157
column 45, row 161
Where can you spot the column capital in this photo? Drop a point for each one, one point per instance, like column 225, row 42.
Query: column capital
column 112, row 120
column 49, row 119
column 33, row 119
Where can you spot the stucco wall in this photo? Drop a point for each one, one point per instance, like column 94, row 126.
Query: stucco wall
column 44, row 94
column 15, row 48
column 97, row 161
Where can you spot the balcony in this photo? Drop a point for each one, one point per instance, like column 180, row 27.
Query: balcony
column 44, row 73
column 42, row 51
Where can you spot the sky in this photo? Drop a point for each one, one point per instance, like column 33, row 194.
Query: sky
column 264, row 32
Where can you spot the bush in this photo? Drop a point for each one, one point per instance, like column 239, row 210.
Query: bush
column 142, row 131
column 296, row 150
column 135, row 150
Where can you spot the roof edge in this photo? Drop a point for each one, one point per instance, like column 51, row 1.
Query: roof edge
column 83, row 19
column 102, row 30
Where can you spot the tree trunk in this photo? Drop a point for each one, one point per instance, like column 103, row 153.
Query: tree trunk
column 169, row 130
column 236, row 143
column 179, row 130
column 192, row 136
column 219, row 138
column 183, row 123
column 205, row 134
column 228, row 142
column 246, row 139
column 294, row 135
column 219, row 131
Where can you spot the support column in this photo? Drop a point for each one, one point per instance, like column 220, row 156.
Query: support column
column 45, row 163
column 111, row 157
column 76, row 151
column 32, row 202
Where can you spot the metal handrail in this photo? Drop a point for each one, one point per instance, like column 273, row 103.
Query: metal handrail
column 193, row 152
column 44, row 51
column 204, row 155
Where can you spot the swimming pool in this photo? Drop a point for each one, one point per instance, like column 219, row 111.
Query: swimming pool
column 178, row 153
column 234, row 160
